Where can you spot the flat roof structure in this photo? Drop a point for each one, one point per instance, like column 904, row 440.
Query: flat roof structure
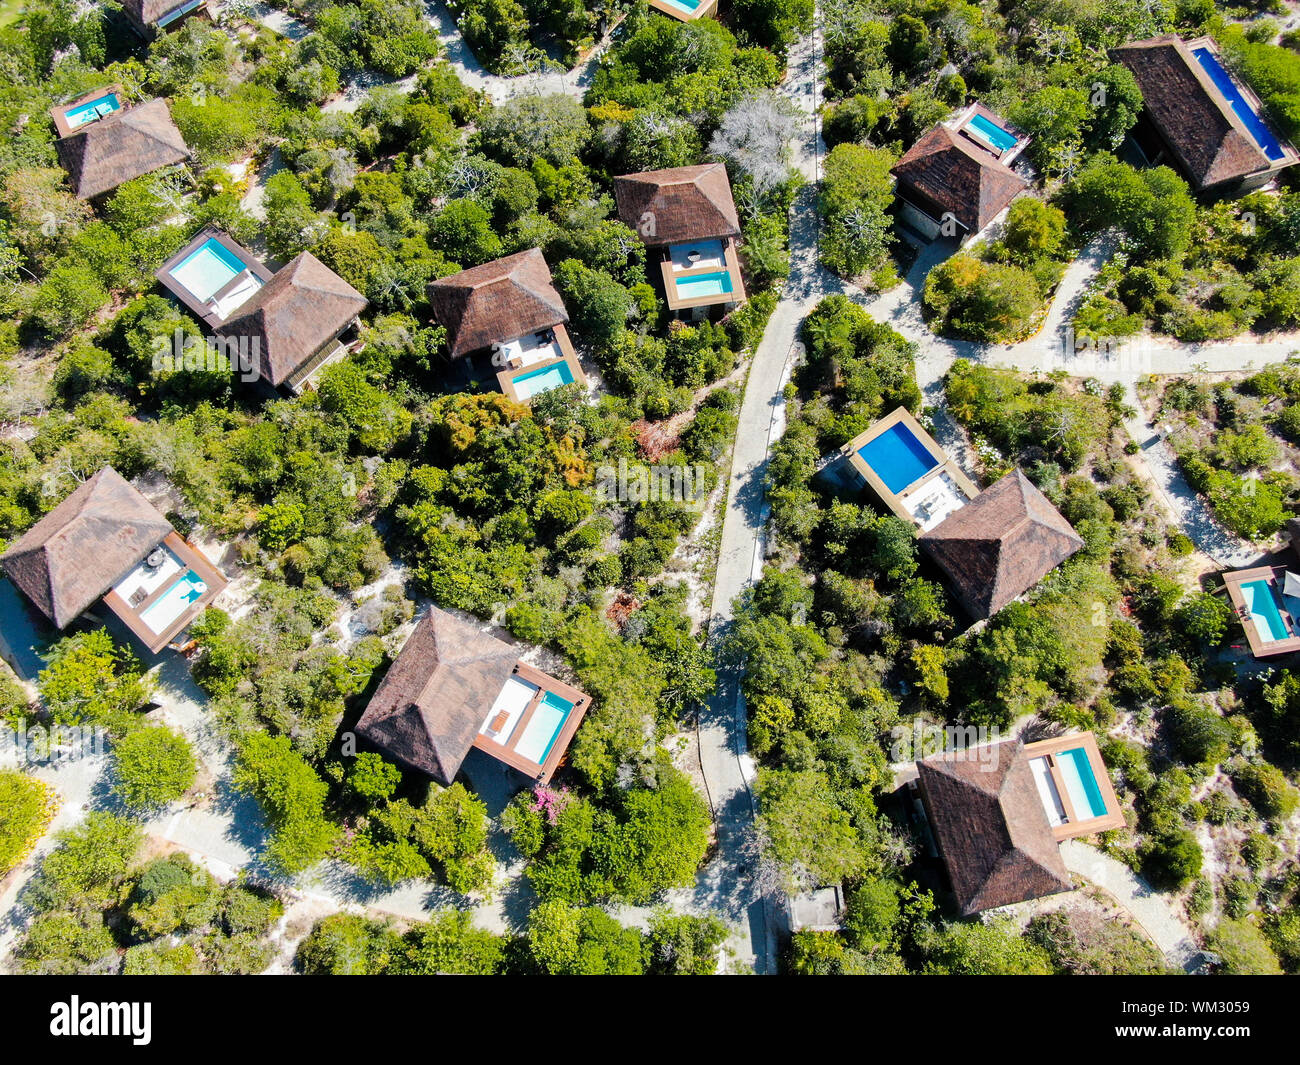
column 908, row 470
column 1268, row 616
column 453, row 688
column 1209, row 124
column 685, row 10
column 99, row 103
column 213, row 275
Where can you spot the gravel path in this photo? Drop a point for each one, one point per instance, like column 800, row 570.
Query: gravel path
column 1148, row 907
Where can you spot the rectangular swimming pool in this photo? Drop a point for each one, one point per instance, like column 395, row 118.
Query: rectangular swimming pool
column 529, row 384
column 1264, row 612
column 1081, row 784
column 717, row 283
column 92, row 110
column 544, row 727
column 208, row 269
column 174, row 602
column 897, row 457
column 688, row 6
column 1224, row 83
column 992, row 133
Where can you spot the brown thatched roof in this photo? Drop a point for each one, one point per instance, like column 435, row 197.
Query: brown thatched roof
column 79, row 550
column 430, row 706
column 684, row 203
column 1198, row 124
column 124, row 145
column 990, row 827
column 498, row 301
column 947, row 173
column 295, row 314
column 1001, row 544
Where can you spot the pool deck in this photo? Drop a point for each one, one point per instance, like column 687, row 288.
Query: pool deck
column 60, row 114
column 205, row 310
column 505, row 752
column 707, row 7
column 1075, row 825
column 1260, row 647
column 1007, row 157
column 132, row 615
column 505, row 378
column 672, row 277
column 898, row 502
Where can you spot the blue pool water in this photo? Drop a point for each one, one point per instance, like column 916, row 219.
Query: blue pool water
column 688, row 6
column 1262, row 605
column 543, row 728
column 1263, row 137
column 92, row 109
column 182, row 595
column 993, row 133
column 714, row 284
column 897, row 457
column 208, row 269
column 531, row 383
column 1085, row 795
column 178, row 11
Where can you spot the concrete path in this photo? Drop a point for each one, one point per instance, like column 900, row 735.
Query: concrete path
column 1150, row 909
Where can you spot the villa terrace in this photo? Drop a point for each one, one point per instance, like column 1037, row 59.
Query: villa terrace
column 1200, row 118
column 510, row 307
column 998, row 812
column 453, row 688
column 688, row 217
column 213, row 276
column 100, row 103
column 912, row 475
column 105, row 542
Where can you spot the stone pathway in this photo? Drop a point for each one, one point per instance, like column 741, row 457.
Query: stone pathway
column 1148, row 907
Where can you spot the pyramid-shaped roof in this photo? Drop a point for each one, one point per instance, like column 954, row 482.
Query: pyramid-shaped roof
column 497, row 302
column 680, row 204
column 430, row 706
column 121, row 146
column 301, row 309
column 955, row 176
column 1198, row 124
column 1000, row 544
column 990, row 827
column 69, row 559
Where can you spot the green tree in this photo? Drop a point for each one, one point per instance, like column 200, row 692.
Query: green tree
column 153, row 766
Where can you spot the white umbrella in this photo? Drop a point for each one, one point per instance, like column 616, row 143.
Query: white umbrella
column 1291, row 586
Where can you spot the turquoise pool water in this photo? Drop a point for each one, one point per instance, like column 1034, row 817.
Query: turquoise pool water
column 543, row 728
column 208, row 269
column 178, row 11
column 688, row 6
column 182, row 595
column 1085, row 795
column 1262, row 605
column 531, row 383
column 897, row 457
column 92, row 109
column 1263, row 137
column 714, row 284
column 993, row 133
